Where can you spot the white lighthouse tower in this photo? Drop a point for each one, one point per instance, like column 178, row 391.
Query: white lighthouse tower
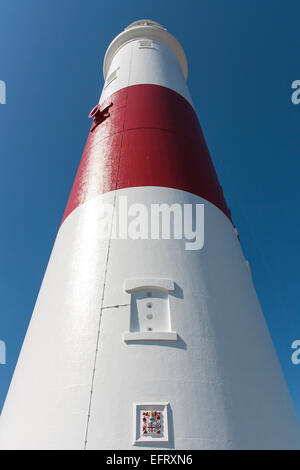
column 144, row 340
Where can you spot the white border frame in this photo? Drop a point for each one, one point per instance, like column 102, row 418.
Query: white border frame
column 138, row 439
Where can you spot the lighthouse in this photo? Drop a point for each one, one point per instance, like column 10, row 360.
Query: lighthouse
column 147, row 332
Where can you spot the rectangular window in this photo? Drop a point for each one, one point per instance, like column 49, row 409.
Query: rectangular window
column 111, row 77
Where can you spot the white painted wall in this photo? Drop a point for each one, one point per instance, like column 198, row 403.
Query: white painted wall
column 221, row 378
column 135, row 66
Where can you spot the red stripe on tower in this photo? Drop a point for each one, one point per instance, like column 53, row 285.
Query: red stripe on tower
column 151, row 137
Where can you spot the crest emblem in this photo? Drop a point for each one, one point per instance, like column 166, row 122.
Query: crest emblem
column 151, row 422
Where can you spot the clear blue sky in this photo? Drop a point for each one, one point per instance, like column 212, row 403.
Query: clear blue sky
column 243, row 56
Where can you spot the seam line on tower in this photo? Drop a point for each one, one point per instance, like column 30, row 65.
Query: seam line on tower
column 138, row 128
column 105, row 275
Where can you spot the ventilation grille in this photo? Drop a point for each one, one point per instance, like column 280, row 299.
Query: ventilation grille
column 145, row 44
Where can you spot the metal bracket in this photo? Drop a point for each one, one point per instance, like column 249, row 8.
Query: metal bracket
column 99, row 115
